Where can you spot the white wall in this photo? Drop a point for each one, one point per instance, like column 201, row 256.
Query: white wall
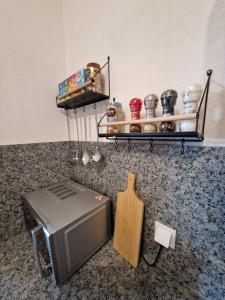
column 32, row 62
column 154, row 45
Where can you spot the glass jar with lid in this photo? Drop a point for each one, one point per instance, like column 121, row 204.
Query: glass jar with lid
column 135, row 108
column 191, row 97
column 91, row 70
column 168, row 100
column 150, row 102
column 114, row 113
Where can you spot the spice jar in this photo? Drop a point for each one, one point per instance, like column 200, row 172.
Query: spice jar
column 168, row 100
column 135, row 108
column 114, row 113
column 150, row 103
column 191, row 97
column 91, row 70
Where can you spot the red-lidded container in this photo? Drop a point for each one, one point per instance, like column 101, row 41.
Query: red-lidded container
column 135, row 108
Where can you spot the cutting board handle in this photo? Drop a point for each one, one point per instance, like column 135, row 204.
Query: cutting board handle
column 131, row 181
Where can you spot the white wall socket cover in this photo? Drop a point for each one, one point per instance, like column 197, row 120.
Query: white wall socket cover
column 165, row 235
column 162, row 236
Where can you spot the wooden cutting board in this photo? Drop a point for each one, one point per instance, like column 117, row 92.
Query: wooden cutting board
column 128, row 223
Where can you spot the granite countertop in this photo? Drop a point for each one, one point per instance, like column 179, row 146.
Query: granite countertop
column 105, row 276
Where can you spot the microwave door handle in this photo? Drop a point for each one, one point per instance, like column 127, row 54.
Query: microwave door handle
column 35, row 244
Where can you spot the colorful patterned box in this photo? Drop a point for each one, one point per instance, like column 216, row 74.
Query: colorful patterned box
column 61, row 88
column 72, row 82
column 66, row 86
column 81, row 77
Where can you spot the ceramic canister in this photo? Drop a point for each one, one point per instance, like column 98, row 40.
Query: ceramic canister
column 191, row 97
column 168, row 100
column 150, row 102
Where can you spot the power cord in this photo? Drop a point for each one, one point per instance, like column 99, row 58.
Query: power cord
column 152, row 263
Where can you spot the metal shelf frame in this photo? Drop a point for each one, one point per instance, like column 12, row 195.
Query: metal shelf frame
column 74, row 100
column 194, row 136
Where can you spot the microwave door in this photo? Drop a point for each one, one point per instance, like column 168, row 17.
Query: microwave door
column 41, row 244
column 35, row 244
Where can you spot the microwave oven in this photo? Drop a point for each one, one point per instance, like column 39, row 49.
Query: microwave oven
column 68, row 223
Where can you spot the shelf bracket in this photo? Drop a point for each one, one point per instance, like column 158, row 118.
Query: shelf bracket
column 68, row 124
column 129, row 144
column 116, row 143
column 151, row 145
column 100, row 122
column 74, row 111
column 204, row 96
column 182, row 146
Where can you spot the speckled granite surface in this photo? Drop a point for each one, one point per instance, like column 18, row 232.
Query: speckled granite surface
column 105, row 276
column 25, row 168
column 185, row 192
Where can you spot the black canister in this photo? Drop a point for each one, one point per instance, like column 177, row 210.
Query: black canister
column 168, row 100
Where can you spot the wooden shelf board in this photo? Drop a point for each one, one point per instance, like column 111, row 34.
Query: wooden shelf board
column 157, row 119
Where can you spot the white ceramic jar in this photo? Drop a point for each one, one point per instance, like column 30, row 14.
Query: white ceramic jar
column 191, row 97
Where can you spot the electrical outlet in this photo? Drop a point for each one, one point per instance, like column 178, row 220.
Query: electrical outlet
column 165, row 235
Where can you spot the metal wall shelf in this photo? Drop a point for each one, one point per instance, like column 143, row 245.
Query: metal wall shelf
column 83, row 99
column 193, row 136
column 170, row 136
column 149, row 120
column 76, row 98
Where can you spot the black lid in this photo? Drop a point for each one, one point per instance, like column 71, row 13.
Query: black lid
column 169, row 93
column 169, row 98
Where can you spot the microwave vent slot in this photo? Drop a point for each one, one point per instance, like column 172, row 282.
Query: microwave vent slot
column 62, row 192
column 67, row 196
column 57, row 188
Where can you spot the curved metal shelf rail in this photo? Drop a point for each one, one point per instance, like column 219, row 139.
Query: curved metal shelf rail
column 193, row 136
